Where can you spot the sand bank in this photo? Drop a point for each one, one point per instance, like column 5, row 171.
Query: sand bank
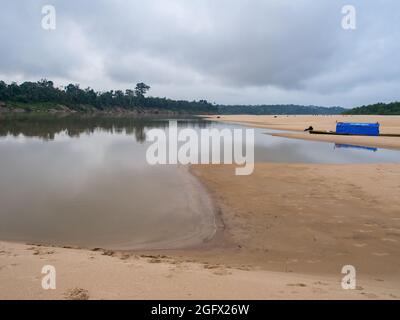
column 285, row 233
column 82, row 274
column 310, row 218
column 389, row 125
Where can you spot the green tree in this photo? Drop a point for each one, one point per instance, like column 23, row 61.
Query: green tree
column 141, row 89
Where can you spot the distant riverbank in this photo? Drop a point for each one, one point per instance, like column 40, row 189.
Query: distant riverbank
column 297, row 123
column 52, row 108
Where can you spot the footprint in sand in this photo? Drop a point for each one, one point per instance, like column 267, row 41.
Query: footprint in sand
column 222, row 272
column 292, row 261
column 364, row 231
column 4, row 253
column 360, row 245
column 77, row 294
column 244, row 268
column 320, row 283
column 125, row 256
column 370, row 225
column 313, row 261
column 393, row 234
column 380, row 254
column 296, row 285
column 341, row 254
column 392, row 229
column 370, row 295
column 319, row 291
column 41, row 252
column 217, row 269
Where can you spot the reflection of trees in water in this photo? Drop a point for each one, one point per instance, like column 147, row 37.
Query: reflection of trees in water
column 46, row 127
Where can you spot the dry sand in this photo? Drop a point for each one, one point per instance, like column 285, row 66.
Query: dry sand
column 82, row 274
column 389, row 125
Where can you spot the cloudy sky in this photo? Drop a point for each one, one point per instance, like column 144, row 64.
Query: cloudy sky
column 225, row 51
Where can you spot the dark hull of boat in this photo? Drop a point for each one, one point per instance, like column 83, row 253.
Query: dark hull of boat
column 347, row 134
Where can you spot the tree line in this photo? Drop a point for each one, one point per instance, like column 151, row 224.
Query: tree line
column 279, row 109
column 392, row 108
column 44, row 96
column 76, row 98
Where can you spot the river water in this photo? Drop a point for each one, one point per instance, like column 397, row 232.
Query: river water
column 85, row 181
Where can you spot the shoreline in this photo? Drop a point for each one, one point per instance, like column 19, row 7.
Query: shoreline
column 236, row 258
column 203, row 210
column 391, row 143
column 231, row 265
column 296, row 125
column 225, row 247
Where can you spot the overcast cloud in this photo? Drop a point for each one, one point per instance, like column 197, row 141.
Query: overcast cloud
column 225, row 51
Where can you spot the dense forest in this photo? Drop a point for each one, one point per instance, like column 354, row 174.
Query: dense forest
column 278, row 109
column 43, row 96
column 378, row 108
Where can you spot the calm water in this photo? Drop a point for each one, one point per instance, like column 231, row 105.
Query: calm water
column 86, row 182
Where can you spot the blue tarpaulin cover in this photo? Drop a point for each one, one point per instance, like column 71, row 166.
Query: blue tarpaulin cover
column 366, row 129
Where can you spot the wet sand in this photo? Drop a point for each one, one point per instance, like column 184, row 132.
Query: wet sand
column 310, row 218
column 297, row 124
column 285, row 232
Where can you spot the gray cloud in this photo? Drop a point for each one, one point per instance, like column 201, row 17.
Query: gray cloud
column 225, row 51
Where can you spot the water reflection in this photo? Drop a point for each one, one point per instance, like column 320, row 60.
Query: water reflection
column 85, row 181
column 46, row 127
column 351, row 146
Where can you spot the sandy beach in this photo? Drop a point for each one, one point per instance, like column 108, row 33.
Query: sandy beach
column 129, row 171
column 83, row 275
column 297, row 124
column 311, row 218
column 285, row 232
